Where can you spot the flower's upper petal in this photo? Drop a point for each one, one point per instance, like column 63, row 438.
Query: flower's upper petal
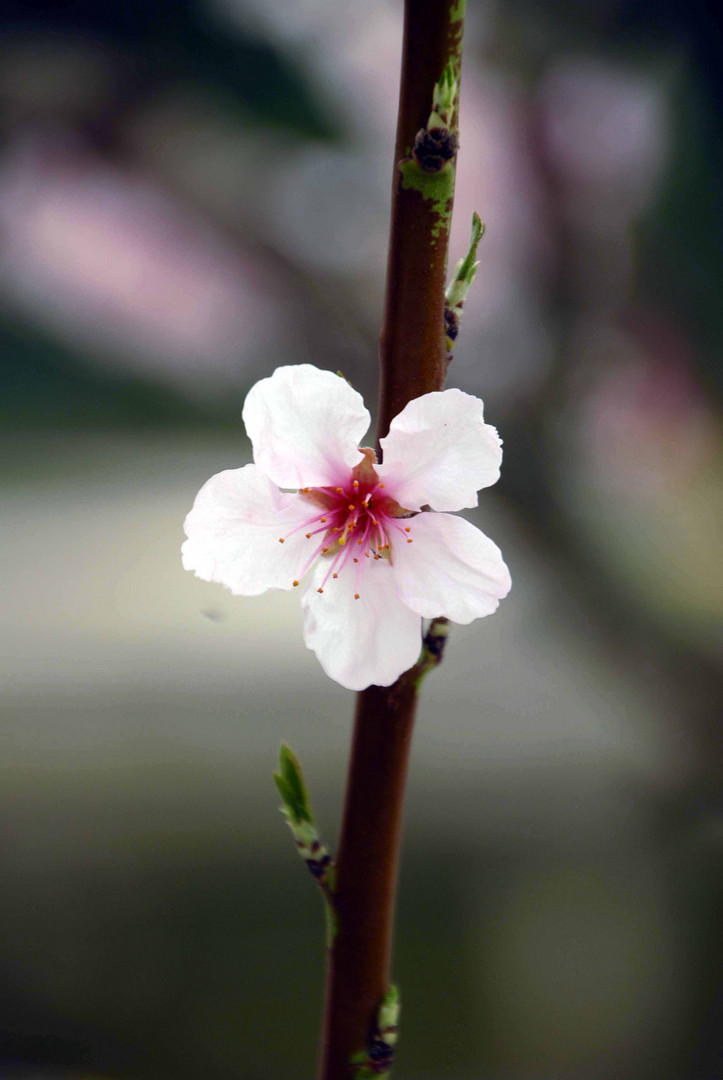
column 439, row 452
column 451, row 569
column 234, row 529
column 305, row 426
column 360, row 642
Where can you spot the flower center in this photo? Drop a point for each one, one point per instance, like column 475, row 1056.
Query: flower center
column 357, row 522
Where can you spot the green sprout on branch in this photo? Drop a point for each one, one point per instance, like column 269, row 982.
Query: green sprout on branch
column 464, row 274
column 291, row 786
column 375, row 1063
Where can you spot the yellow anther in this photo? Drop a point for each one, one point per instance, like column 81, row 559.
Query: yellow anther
column 294, row 583
column 407, row 529
column 360, row 541
column 308, row 536
column 281, row 540
column 356, row 595
column 374, row 521
column 335, row 575
column 336, row 528
column 356, row 483
column 339, row 491
column 409, row 540
column 319, row 590
column 352, row 506
column 324, row 550
column 382, row 485
column 322, row 520
column 356, row 560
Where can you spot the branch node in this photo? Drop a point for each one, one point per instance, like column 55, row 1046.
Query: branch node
column 433, row 647
column 438, row 142
column 433, row 147
column 376, row 1062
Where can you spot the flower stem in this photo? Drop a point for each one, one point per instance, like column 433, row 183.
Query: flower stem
column 413, row 362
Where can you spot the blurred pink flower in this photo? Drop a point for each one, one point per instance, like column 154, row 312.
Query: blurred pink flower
column 607, row 134
column 376, row 564
column 115, row 264
column 646, row 425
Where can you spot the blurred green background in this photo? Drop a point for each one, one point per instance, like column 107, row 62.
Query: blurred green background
column 190, row 194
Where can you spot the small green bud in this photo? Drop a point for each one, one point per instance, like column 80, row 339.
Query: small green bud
column 444, row 99
column 466, row 269
column 376, row 1062
column 290, row 783
column 389, row 1015
column 456, row 294
column 432, row 647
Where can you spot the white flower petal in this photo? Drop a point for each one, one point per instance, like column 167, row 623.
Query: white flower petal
column 451, row 569
column 305, row 426
column 360, row 642
column 234, row 528
column 439, row 452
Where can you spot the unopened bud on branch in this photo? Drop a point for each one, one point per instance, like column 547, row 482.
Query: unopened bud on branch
column 438, row 142
column 464, row 274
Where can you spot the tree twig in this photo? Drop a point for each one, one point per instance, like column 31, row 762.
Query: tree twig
column 413, row 362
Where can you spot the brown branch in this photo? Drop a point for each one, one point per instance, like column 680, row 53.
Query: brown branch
column 366, row 875
column 412, row 352
column 413, row 362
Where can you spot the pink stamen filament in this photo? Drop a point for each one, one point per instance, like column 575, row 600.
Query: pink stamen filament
column 399, row 528
column 359, row 572
column 324, row 529
column 311, row 558
column 347, row 556
column 334, row 563
column 303, row 525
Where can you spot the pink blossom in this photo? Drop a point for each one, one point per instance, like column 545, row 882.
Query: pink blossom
column 351, row 529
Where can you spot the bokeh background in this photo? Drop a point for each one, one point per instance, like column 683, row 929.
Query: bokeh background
column 192, row 192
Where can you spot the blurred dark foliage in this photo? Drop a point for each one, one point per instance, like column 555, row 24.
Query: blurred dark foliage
column 177, row 40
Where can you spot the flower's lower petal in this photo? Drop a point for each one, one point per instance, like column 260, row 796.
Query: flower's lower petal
column 234, row 529
column 451, row 569
column 361, row 642
column 439, row 452
column 305, row 426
